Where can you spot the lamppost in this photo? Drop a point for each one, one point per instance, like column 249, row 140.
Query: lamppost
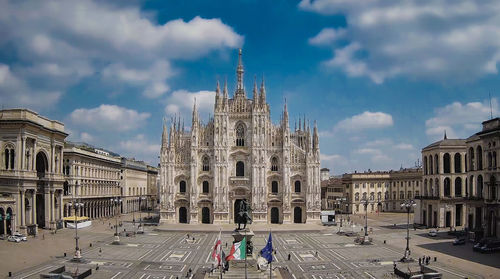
column 78, row 255
column 141, row 228
column 408, row 205
column 365, row 202
column 117, row 201
column 341, row 201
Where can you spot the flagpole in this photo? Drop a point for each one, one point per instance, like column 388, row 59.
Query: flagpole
column 246, row 275
column 271, row 263
column 220, row 266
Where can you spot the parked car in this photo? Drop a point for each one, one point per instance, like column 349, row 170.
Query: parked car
column 490, row 247
column 21, row 236
column 479, row 244
column 459, row 241
column 13, row 239
column 432, row 233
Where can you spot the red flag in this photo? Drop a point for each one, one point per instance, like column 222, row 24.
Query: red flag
column 216, row 253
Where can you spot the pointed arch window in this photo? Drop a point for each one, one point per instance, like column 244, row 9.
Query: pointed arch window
column 9, row 158
column 240, row 134
column 206, row 187
column 297, row 186
column 274, row 164
column 206, row 164
column 240, row 168
column 274, row 187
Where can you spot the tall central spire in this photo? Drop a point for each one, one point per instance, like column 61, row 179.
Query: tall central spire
column 239, row 73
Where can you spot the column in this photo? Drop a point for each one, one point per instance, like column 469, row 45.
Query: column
column 52, row 158
column 61, row 161
column 23, row 206
column 33, row 208
column 23, row 158
column 33, row 157
column 52, row 205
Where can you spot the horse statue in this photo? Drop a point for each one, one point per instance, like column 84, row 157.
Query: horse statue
column 243, row 216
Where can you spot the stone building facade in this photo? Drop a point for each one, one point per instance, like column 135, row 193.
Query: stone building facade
column 31, row 176
column 239, row 154
column 136, row 178
column 442, row 203
column 331, row 190
column 384, row 190
column 461, row 183
column 92, row 176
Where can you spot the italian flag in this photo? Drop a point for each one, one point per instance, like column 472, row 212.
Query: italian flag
column 238, row 250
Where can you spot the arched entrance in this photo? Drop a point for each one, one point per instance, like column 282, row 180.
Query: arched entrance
column 297, row 214
column 40, row 205
column 182, row 215
column 8, row 221
column 205, row 215
column 275, row 215
column 2, row 221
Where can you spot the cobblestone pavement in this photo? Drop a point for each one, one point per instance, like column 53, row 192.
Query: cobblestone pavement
column 319, row 255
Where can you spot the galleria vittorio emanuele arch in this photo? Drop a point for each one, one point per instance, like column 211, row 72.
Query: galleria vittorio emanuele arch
column 239, row 154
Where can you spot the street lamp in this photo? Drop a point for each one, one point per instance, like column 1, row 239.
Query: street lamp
column 365, row 202
column 141, row 228
column 341, row 201
column 408, row 205
column 117, row 201
column 78, row 255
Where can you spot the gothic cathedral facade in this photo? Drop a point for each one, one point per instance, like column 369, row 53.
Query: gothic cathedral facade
column 240, row 155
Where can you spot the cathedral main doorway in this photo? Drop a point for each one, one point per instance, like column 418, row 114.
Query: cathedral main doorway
column 182, row 215
column 205, row 215
column 275, row 215
column 297, row 214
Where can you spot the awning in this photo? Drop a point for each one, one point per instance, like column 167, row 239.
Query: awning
column 72, row 218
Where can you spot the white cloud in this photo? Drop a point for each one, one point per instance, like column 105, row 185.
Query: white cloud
column 14, row 91
column 364, row 121
column 327, row 36
column 370, row 151
column 404, row 146
column 139, row 147
column 86, row 137
column 460, row 120
column 182, row 101
column 450, row 41
column 109, row 118
column 62, row 42
column 379, row 142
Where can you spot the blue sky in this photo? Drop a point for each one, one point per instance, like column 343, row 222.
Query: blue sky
column 382, row 78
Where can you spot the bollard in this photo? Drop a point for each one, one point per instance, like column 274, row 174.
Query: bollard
column 435, row 259
column 384, row 242
column 90, row 244
column 64, row 254
column 10, row 274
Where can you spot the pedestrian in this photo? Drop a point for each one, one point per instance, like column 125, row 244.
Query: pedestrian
column 419, row 261
column 43, row 236
column 226, row 244
column 289, row 256
column 316, row 253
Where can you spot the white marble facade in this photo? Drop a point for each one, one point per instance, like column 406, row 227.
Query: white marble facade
column 240, row 154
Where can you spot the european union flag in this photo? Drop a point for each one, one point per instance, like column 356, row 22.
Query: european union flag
column 267, row 251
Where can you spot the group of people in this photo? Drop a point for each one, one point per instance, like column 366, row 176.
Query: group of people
column 424, row 260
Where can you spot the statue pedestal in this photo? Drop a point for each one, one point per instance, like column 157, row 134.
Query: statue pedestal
column 238, row 236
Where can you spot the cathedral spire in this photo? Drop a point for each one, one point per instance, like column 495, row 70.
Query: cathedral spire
column 315, row 136
column 285, row 115
column 239, row 73
column 195, row 113
column 164, row 136
column 255, row 99
column 217, row 90
column 445, row 137
column 263, row 92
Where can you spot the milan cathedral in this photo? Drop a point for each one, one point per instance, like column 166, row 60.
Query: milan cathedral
column 239, row 154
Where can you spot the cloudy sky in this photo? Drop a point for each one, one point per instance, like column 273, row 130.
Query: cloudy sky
column 382, row 78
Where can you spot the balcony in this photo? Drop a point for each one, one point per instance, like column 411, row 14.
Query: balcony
column 427, row 197
column 278, row 196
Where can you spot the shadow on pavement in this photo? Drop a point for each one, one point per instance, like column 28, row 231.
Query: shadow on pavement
column 464, row 252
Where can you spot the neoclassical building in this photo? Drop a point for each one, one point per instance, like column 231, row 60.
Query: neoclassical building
column 239, row 154
column 31, row 171
column 93, row 177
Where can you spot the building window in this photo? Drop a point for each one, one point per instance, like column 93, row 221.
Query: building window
column 356, row 197
column 458, row 187
column 297, row 186
column 356, row 185
column 479, row 154
column 9, row 158
column 274, row 187
column 364, row 196
column 372, row 196
column 446, row 162
column 240, row 168
column 409, row 195
column 206, row 164
column 206, row 187
column 401, row 195
column 447, row 187
column 458, row 163
column 274, row 164
column 240, row 134
column 182, row 186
